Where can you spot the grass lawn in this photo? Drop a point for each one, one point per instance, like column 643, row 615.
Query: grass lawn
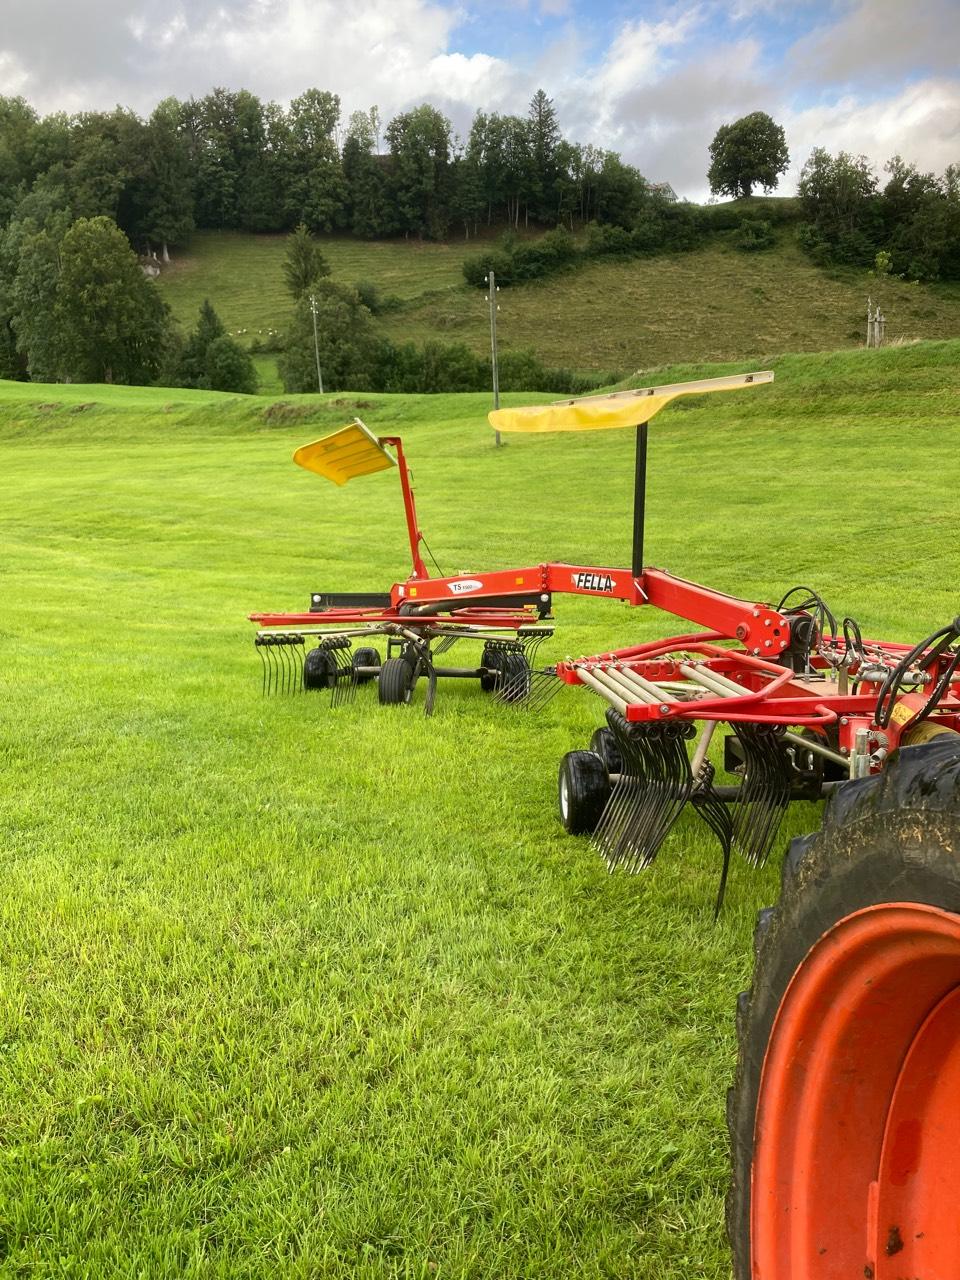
column 296, row 992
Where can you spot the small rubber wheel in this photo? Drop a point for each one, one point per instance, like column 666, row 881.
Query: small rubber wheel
column 843, row 1120
column 365, row 657
column 395, row 682
column 583, row 790
column 604, row 744
column 319, row 669
column 507, row 670
column 491, row 659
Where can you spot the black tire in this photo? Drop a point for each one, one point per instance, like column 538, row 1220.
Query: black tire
column 889, row 839
column 604, row 744
column 491, row 659
column 395, row 682
column 583, row 788
column 319, row 670
column 365, row 657
column 507, row 669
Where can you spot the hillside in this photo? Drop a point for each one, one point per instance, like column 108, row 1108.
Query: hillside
column 715, row 303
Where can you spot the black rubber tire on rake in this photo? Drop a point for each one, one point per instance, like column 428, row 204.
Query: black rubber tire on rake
column 514, row 683
column 890, row 839
column 583, row 789
column 395, row 682
column 365, row 657
column 490, row 658
column 319, row 670
column 604, row 744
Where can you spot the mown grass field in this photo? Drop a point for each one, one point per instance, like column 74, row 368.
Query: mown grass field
column 717, row 303
column 296, row 992
column 242, row 275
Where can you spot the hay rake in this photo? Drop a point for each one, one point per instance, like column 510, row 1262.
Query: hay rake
column 804, row 701
column 420, row 619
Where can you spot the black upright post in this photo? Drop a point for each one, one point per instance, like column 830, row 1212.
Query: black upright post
column 639, row 500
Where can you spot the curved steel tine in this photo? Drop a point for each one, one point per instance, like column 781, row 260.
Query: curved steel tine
column 299, row 657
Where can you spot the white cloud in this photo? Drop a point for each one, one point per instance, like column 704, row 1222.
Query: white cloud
column 660, row 112
column 920, row 122
column 872, row 39
column 14, row 77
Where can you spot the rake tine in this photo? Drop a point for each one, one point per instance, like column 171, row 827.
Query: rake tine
column 670, row 773
column 716, row 815
column 678, row 784
column 290, row 662
column 531, row 690
column 298, row 657
column 263, row 667
column 544, row 687
column 344, row 685
column 516, row 691
column 274, row 673
column 650, row 796
column 640, row 802
column 610, row 828
column 764, row 794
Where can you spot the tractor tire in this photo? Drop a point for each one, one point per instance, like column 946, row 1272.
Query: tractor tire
column 583, row 789
column 319, row 670
column 395, row 682
column 843, row 1119
column 604, row 744
column 365, row 657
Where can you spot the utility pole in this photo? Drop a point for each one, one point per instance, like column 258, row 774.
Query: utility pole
column 316, row 342
column 492, row 299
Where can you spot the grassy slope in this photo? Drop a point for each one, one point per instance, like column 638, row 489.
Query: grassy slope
column 242, row 275
column 296, row 992
column 715, row 304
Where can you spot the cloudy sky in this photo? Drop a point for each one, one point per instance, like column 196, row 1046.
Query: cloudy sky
column 652, row 81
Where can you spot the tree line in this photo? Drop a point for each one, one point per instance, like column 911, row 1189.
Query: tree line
column 231, row 161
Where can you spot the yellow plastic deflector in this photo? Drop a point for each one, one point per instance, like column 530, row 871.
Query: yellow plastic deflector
column 621, row 409
column 601, row 415
column 350, row 452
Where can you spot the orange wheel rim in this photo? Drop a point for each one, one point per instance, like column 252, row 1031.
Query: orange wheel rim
column 856, row 1168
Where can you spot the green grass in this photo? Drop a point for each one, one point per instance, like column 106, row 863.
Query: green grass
column 297, row 992
column 242, row 275
column 714, row 304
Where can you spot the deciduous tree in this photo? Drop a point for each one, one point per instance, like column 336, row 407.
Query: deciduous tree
column 112, row 323
column 750, row 152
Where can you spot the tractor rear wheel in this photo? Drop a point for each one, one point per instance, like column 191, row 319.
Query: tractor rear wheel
column 395, row 682
column 843, row 1120
column 583, row 790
